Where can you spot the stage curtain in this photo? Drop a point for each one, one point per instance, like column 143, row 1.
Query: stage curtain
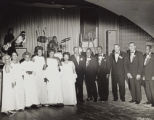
column 62, row 23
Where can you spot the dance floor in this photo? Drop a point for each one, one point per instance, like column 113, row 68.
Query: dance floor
column 89, row 111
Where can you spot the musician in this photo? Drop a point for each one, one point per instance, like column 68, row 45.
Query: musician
column 53, row 44
column 9, row 36
column 9, row 45
column 21, row 39
column 79, row 62
column 134, row 68
column 148, row 75
column 103, row 74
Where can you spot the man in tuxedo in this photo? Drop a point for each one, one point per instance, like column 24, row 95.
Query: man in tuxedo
column 148, row 74
column 102, row 74
column 117, row 61
column 90, row 75
column 80, row 65
column 134, row 68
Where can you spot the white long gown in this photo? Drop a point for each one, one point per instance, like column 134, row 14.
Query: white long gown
column 39, row 63
column 54, row 89
column 8, row 92
column 31, row 95
column 19, row 88
column 68, row 83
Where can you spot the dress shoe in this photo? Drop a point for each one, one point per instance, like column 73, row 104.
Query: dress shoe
column 100, row 99
column 81, row 101
column 132, row 101
column 152, row 105
column 147, row 102
column 115, row 99
column 137, row 102
column 95, row 100
column 89, row 99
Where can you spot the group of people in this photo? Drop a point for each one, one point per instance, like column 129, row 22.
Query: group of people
column 37, row 81
column 131, row 66
column 59, row 81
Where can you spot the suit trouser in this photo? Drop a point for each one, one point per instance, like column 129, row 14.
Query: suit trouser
column 135, row 89
column 79, row 89
column 118, row 80
column 149, row 90
column 103, row 87
column 91, row 88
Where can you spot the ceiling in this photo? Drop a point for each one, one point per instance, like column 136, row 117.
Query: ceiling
column 141, row 12
column 138, row 11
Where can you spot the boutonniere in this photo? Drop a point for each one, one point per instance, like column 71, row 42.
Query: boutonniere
column 134, row 56
column 120, row 57
column 149, row 56
column 81, row 59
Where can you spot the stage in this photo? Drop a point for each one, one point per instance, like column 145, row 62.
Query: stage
column 90, row 111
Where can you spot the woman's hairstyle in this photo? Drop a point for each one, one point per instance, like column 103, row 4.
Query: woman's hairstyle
column 15, row 53
column 54, row 37
column 66, row 53
column 5, row 57
column 37, row 48
column 26, row 53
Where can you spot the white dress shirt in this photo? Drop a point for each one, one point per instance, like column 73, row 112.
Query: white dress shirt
column 132, row 55
column 147, row 58
column 117, row 56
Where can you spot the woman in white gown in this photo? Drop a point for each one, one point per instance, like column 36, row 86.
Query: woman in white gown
column 19, row 86
column 53, row 81
column 8, row 91
column 28, row 69
column 39, row 63
column 68, row 76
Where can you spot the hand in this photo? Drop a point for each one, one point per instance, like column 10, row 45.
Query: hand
column 75, row 75
column 23, row 76
column 138, row 77
column 143, row 78
column 45, row 66
column 29, row 72
column 129, row 76
column 152, row 77
column 12, row 85
column 46, row 80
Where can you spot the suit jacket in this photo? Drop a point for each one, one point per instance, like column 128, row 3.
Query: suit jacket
column 148, row 69
column 91, row 69
column 79, row 67
column 136, row 66
column 117, row 68
column 103, row 67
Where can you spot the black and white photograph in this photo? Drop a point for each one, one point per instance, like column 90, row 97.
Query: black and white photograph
column 76, row 60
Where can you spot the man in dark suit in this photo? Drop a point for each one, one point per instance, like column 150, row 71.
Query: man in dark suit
column 117, row 61
column 148, row 74
column 80, row 65
column 102, row 74
column 134, row 68
column 90, row 75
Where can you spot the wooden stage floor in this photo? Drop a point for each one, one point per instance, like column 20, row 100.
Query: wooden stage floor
column 89, row 111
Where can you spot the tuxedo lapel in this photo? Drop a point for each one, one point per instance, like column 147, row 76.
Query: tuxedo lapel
column 75, row 60
column 148, row 60
column 113, row 56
